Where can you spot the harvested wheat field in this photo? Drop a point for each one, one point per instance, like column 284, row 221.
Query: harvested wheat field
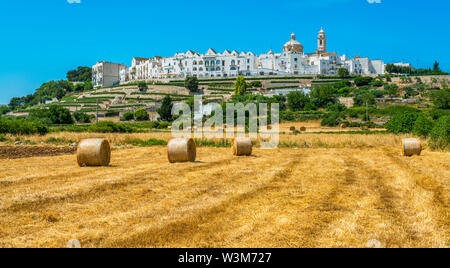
column 306, row 197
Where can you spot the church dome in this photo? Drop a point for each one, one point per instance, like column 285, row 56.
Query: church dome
column 293, row 45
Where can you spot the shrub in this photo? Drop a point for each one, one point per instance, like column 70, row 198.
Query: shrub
column 57, row 141
column 331, row 119
column 111, row 113
column 402, row 123
column 423, row 126
column 3, row 138
column 364, row 97
column 110, row 127
column 145, row 143
column 355, row 112
column 60, row 115
column 392, row 89
column 141, row 115
column 128, row 116
column 323, row 96
column 363, row 81
column 344, row 91
column 81, row 117
column 438, row 113
column 441, row 99
column 297, row 100
column 4, row 109
column 337, row 107
column 378, row 93
column 56, row 114
column 398, row 109
column 440, row 134
column 42, row 115
column 22, row 127
column 223, row 143
column 161, row 125
column 191, row 83
column 165, row 112
column 343, row 72
column 256, row 84
column 377, row 83
column 142, row 86
column 240, row 87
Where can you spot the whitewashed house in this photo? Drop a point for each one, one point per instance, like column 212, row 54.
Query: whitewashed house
column 291, row 61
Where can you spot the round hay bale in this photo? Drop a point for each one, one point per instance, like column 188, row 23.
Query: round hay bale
column 269, row 127
column 292, row 128
column 344, row 126
column 181, row 150
column 411, row 147
column 93, row 152
column 303, row 129
column 242, row 146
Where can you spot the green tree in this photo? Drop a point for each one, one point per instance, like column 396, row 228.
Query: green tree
column 441, row 99
column 364, row 97
column 436, row 67
column 337, row 107
column 343, row 73
column 377, row 83
column 297, row 100
column 141, row 115
column 240, row 87
column 256, row 84
column 191, row 83
column 88, row 86
column 363, row 81
column 422, row 126
column 81, row 74
column 56, row 114
column 78, row 88
column 60, row 115
column 22, row 126
column 392, row 89
column 402, row 123
column 142, row 86
column 41, row 115
column 165, row 112
column 53, row 89
column 332, row 119
column 440, row 134
column 4, row 109
column 15, row 103
column 84, row 118
column 323, row 96
column 128, row 116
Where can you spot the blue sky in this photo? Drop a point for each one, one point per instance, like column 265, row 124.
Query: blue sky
column 41, row 40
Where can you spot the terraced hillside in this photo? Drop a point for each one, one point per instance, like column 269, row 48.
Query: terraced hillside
column 128, row 97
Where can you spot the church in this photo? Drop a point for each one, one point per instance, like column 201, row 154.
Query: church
column 291, row 61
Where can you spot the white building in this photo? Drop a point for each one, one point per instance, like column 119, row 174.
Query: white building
column 402, row 64
column 106, row 74
column 291, row 61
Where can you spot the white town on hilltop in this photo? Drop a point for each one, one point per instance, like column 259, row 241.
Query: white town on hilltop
column 292, row 61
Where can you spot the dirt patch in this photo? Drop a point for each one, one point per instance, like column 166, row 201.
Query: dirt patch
column 15, row 152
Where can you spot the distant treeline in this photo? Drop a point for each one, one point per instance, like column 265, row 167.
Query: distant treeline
column 55, row 89
column 394, row 69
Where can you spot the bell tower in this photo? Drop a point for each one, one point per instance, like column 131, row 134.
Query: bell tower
column 321, row 42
